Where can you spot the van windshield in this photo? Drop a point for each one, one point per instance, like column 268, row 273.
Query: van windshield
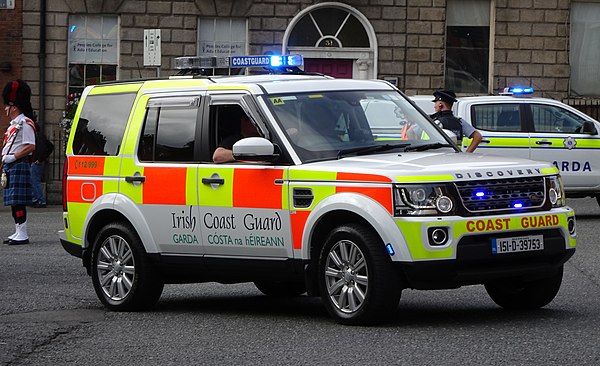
column 326, row 125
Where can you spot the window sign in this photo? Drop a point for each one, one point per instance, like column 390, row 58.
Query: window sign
column 221, row 37
column 7, row 4
column 93, row 39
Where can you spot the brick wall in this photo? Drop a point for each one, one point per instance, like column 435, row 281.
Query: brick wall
column 11, row 31
column 532, row 45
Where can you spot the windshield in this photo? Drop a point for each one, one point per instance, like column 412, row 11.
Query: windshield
column 331, row 125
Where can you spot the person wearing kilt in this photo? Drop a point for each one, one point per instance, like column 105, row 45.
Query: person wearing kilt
column 17, row 148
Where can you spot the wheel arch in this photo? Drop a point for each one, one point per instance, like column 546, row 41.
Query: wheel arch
column 351, row 207
column 115, row 208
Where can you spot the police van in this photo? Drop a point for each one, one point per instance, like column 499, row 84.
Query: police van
column 517, row 124
column 326, row 198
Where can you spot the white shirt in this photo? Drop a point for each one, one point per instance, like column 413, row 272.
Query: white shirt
column 26, row 135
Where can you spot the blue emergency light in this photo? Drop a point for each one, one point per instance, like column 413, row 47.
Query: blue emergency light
column 266, row 61
column 516, row 90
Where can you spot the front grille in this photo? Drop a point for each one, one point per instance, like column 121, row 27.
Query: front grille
column 502, row 194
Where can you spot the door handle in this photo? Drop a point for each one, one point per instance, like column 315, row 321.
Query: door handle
column 484, row 141
column 543, row 142
column 209, row 181
column 135, row 178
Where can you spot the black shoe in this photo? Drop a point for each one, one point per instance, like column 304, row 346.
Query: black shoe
column 39, row 205
column 6, row 241
column 18, row 242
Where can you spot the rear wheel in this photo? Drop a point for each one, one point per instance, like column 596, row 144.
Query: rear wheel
column 358, row 283
column 281, row 288
column 522, row 295
column 124, row 278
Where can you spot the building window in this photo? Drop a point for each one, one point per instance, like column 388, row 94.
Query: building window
column 467, row 45
column 222, row 38
column 585, row 53
column 93, row 50
column 329, row 27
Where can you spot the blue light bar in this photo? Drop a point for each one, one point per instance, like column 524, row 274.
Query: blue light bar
column 516, row 90
column 266, row 61
column 479, row 193
column 518, row 205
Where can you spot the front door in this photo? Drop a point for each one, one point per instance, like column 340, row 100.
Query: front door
column 557, row 138
column 243, row 207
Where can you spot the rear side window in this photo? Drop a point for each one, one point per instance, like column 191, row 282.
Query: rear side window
column 102, row 123
column 169, row 130
column 497, row 117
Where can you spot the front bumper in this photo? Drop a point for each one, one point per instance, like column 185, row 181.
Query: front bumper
column 475, row 263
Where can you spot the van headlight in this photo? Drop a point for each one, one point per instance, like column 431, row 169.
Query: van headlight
column 556, row 191
column 423, row 199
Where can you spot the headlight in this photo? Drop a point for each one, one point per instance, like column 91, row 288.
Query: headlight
column 556, row 191
column 423, row 199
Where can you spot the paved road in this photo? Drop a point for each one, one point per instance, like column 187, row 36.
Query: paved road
column 49, row 314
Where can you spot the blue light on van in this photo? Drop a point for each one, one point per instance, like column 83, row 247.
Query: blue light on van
column 516, row 90
column 518, row 205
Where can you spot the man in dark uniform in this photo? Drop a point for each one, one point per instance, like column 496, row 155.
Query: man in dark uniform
column 444, row 99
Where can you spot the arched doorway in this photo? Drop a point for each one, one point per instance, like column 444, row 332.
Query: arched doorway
column 335, row 39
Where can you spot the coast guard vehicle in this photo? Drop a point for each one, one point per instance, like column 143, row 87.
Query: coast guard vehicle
column 327, row 197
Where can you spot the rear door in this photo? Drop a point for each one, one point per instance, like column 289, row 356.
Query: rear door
column 502, row 126
column 160, row 167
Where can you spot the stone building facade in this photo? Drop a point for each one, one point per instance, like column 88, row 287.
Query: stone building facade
column 404, row 41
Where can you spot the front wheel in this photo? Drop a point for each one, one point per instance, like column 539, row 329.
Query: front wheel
column 523, row 295
column 358, row 283
column 124, row 278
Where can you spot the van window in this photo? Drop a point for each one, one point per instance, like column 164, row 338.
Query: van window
column 101, row 124
column 497, row 117
column 168, row 134
column 554, row 119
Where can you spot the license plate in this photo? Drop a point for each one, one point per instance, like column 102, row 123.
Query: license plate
column 518, row 244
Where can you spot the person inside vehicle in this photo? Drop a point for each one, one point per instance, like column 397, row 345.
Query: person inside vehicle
column 224, row 153
column 443, row 116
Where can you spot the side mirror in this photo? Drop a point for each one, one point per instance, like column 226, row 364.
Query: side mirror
column 452, row 136
column 589, row 128
column 254, row 149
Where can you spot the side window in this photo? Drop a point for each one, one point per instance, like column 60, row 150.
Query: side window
column 169, row 130
column 228, row 124
column 549, row 118
column 497, row 117
column 100, row 129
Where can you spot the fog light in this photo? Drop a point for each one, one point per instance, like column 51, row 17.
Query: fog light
column 437, row 235
column 571, row 225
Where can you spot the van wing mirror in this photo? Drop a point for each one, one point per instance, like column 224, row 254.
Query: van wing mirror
column 254, row 149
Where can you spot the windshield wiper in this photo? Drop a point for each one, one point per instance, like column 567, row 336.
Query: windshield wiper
column 435, row 145
column 370, row 149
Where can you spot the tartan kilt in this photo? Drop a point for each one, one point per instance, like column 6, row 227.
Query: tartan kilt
column 19, row 191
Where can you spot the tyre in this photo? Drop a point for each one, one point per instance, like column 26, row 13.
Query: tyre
column 124, row 278
column 357, row 281
column 281, row 288
column 522, row 295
